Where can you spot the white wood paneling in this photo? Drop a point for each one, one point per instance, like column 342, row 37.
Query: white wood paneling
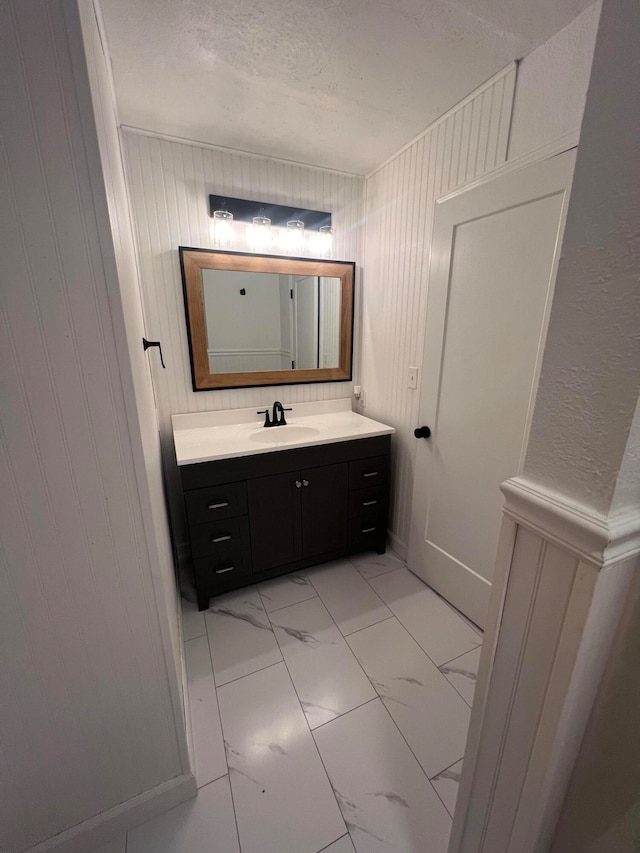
column 88, row 721
column 562, row 579
column 169, row 184
column 464, row 144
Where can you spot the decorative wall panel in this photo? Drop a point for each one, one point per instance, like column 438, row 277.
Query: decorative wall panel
column 464, row 144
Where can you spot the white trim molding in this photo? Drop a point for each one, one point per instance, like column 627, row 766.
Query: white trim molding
column 594, row 538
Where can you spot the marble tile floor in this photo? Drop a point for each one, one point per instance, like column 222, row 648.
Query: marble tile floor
column 329, row 712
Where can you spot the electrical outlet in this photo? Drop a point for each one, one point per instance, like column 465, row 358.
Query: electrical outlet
column 412, row 378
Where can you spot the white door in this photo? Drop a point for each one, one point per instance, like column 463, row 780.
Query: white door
column 305, row 295
column 494, row 256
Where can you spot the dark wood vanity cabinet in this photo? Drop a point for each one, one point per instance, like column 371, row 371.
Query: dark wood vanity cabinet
column 256, row 517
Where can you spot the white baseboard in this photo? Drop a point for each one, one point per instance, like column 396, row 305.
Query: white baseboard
column 104, row 827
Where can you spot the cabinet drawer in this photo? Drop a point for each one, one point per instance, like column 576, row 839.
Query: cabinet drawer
column 368, row 503
column 368, row 472
column 220, row 537
column 216, row 502
column 216, row 573
column 364, row 532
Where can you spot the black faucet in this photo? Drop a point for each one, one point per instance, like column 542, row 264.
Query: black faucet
column 277, row 417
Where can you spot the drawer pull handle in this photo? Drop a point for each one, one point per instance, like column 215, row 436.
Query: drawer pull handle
column 369, row 503
column 368, row 529
column 218, row 506
column 223, row 571
column 298, row 484
column 371, row 474
column 221, row 538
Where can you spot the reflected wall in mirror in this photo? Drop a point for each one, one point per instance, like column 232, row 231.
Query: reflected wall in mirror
column 266, row 320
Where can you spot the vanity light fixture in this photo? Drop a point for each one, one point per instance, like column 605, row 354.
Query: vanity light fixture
column 260, row 236
column 269, row 225
column 222, row 229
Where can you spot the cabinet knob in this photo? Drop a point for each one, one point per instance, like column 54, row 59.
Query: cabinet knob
column 298, row 484
column 305, row 482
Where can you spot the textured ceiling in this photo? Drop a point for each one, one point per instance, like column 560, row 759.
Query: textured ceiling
column 335, row 83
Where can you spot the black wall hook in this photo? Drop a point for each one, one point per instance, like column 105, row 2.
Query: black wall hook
column 146, row 344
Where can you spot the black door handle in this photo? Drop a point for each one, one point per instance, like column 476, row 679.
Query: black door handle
column 422, row 432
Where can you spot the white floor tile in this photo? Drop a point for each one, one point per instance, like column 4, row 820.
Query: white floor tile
column 386, row 800
column 342, row 845
column 347, row 596
column 283, row 799
column 281, row 592
column 240, row 635
column 462, row 672
column 433, row 718
column 325, row 673
column 206, row 731
column 447, row 784
column 192, row 621
column 118, row 845
column 203, row 825
column 370, row 565
column 433, row 624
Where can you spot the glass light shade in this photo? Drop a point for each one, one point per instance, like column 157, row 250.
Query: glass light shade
column 222, row 229
column 321, row 242
column 293, row 236
column 260, row 234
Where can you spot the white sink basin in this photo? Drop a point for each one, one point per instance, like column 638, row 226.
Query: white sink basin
column 206, row 436
column 284, row 434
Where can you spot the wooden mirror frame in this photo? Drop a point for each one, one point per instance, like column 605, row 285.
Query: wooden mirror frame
column 193, row 261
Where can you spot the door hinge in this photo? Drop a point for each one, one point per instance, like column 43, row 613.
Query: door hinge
column 293, row 365
column 291, row 294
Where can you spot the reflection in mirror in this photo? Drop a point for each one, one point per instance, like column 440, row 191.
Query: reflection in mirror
column 266, row 320
column 259, row 321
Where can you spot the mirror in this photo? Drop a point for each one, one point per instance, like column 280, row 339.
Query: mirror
column 266, row 320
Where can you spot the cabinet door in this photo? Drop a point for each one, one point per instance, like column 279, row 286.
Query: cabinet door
column 324, row 509
column 274, row 517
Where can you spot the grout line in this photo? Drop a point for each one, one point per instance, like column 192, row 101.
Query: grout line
column 479, row 646
column 284, row 606
column 415, row 756
column 248, row 674
column 304, row 716
column 221, row 776
column 386, row 619
column 414, row 639
column 191, row 639
column 444, row 769
column 344, row 713
column 331, row 843
column 224, row 744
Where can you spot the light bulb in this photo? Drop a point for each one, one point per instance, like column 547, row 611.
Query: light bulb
column 321, row 242
column 260, row 234
column 293, row 237
column 222, row 229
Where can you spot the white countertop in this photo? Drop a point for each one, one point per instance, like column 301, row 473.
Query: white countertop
column 207, row 436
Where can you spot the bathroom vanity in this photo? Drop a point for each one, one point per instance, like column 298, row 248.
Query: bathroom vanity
column 261, row 502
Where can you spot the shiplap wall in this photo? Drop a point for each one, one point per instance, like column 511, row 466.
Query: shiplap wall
column 87, row 720
column 169, row 185
column 467, row 142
